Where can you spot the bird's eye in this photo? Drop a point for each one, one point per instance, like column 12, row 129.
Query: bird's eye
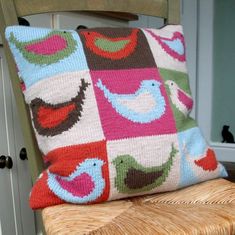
column 64, row 32
column 153, row 84
column 172, row 83
column 94, row 164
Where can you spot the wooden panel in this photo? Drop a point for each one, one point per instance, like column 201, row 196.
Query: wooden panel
column 9, row 17
column 7, row 220
column 72, row 20
column 173, row 12
column 118, row 15
column 148, row 7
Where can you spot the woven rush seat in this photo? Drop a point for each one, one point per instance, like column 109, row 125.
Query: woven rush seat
column 206, row 208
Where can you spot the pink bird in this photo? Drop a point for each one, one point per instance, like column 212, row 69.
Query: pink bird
column 182, row 100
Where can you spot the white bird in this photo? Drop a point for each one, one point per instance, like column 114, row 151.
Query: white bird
column 182, row 100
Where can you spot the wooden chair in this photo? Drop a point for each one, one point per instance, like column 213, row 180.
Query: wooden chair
column 207, row 208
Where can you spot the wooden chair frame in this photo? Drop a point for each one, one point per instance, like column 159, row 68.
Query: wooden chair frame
column 10, row 10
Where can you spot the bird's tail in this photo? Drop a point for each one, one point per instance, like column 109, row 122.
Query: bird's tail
column 103, row 88
column 100, row 84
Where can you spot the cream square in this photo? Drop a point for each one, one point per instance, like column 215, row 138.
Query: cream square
column 168, row 47
column 62, row 89
column 148, row 151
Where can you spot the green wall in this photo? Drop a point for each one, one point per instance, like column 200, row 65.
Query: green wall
column 224, row 68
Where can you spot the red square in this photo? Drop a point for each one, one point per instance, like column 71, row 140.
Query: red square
column 65, row 181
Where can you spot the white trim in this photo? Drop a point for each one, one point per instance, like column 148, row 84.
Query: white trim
column 205, row 74
column 222, row 145
column 205, row 65
column 189, row 13
column 224, row 152
column 0, row 228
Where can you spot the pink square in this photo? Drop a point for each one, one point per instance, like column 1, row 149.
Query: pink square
column 132, row 103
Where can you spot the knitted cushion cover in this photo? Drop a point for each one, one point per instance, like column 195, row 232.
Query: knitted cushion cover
column 110, row 109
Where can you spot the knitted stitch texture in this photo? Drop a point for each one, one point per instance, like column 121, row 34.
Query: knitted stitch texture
column 110, row 109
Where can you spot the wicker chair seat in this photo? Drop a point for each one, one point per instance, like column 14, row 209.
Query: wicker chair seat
column 206, row 208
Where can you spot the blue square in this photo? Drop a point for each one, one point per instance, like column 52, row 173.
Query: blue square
column 41, row 53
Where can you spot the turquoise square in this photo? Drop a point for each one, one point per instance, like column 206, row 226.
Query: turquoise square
column 41, row 53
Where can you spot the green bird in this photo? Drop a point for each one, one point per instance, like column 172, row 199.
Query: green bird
column 55, row 46
column 135, row 178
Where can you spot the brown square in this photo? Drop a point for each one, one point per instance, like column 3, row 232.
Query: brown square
column 116, row 48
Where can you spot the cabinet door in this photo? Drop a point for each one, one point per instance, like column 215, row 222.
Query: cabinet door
column 21, row 179
column 7, row 211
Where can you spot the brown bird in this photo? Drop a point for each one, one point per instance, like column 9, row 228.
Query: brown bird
column 53, row 119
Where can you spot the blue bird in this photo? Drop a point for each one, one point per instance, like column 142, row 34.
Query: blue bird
column 144, row 106
column 84, row 185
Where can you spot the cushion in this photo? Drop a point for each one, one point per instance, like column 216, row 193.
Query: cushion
column 110, row 110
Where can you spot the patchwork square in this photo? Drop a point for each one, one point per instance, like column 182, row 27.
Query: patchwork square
column 178, row 90
column 168, row 47
column 110, row 108
column 41, row 53
column 122, row 97
column 122, row 48
column 77, row 174
column 143, row 165
column 198, row 160
column 66, row 115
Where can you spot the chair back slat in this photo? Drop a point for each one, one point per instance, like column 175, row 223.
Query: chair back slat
column 149, row 7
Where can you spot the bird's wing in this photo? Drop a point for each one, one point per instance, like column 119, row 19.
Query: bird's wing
column 136, row 179
column 209, row 162
column 175, row 45
column 141, row 103
column 185, row 99
column 80, row 186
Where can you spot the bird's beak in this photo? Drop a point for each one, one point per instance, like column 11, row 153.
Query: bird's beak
column 167, row 83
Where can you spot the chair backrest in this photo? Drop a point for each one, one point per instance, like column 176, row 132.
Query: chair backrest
column 10, row 10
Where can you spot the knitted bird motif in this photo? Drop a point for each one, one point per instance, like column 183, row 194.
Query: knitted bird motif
column 111, row 48
column 51, row 120
column 207, row 162
column 195, row 167
column 174, row 46
column 182, row 100
column 84, row 185
column 133, row 106
column 132, row 177
column 202, row 164
column 50, row 49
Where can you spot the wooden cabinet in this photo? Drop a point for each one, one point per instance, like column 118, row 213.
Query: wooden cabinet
column 7, row 220
column 15, row 183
